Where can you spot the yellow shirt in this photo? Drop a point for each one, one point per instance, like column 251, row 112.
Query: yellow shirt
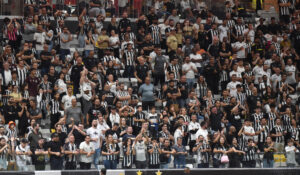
column 103, row 45
column 172, row 43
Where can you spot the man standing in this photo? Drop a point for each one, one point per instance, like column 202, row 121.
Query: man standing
column 56, row 152
column 95, row 137
column 33, row 83
column 65, row 38
column 71, row 151
column 75, row 74
column 86, row 153
column 147, row 93
column 73, row 114
column 189, row 69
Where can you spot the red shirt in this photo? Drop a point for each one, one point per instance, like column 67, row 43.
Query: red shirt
column 33, row 84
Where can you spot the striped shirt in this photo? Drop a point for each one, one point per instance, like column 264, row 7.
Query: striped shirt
column 239, row 30
column 278, row 130
column 224, row 76
column 176, row 70
column 262, row 137
column 54, row 106
column 22, row 75
column 113, row 147
column 128, row 159
column 250, row 153
column 256, row 120
column 241, row 97
column 123, row 94
column 5, row 99
column 271, row 120
column 284, row 10
column 286, row 122
column 154, row 156
column 203, row 157
column 295, row 133
column 70, row 147
column 155, row 34
column 129, row 58
column 201, row 90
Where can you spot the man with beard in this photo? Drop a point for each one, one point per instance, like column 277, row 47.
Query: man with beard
column 95, row 135
column 95, row 111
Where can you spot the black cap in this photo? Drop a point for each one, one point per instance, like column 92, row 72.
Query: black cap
column 54, row 135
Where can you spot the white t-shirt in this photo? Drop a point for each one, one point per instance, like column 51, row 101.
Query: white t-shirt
column 40, row 38
column 140, row 151
column 237, row 73
column 202, row 132
column 87, row 148
column 178, row 133
column 231, row 86
column 188, row 68
column 94, row 133
column 275, row 78
column 196, row 57
column 223, row 32
column 240, row 53
column 21, row 159
column 113, row 40
column 67, row 101
column 248, row 129
column 290, row 79
column 193, row 126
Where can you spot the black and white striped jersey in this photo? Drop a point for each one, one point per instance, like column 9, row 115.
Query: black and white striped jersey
column 278, row 130
column 271, row 120
column 129, row 57
column 22, row 75
column 284, row 10
column 154, row 156
column 155, row 34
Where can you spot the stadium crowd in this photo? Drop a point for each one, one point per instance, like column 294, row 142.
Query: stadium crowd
column 145, row 93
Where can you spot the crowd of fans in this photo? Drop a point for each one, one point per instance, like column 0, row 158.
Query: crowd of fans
column 149, row 92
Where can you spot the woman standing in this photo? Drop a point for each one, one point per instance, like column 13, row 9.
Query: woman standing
column 220, row 150
column 128, row 154
column 269, row 153
column 235, row 154
column 110, row 151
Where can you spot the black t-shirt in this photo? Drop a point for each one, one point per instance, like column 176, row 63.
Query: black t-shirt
column 184, row 92
column 95, row 111
column 147, row 44
column 163, row 157
column 54, row 147
column 40, row 159
column 78, row 137
column 45, row 62
column 10, row 113
column 252, row 102
column 109, row 97
column 142, row 71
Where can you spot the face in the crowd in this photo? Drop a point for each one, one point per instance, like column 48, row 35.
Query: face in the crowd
column 87, row 139
column 94, row 123
column 74, row 102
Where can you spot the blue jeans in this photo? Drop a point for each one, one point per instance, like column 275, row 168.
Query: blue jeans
column 86, row 53
column 179, row 162
column 81, row 40
column 190, row 82
column 267, row 164
column 110, row 164
column 164, row 165
column 182, row 103
column 96, row 157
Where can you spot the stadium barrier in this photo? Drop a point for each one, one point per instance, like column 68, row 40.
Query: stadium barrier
column 211, row 171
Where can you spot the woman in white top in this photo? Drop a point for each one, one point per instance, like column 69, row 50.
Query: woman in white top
column 114, row 42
